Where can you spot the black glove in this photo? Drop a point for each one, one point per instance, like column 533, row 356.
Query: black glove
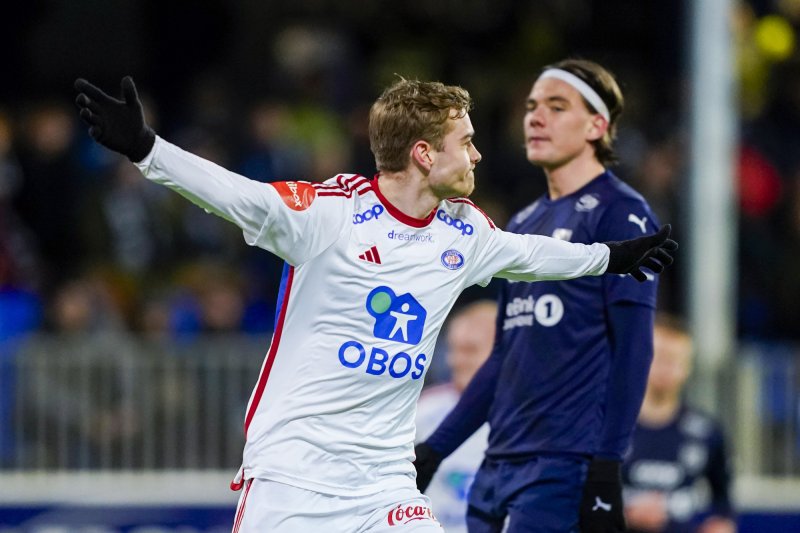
column 116, row 124
column 601, row 505
column 426, row 463
column 651, row 252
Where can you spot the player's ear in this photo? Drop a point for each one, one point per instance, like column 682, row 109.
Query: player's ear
column 598, row 126
column 422, row 154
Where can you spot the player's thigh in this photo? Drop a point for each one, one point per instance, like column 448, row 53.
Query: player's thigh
column 279, row 508
column 403, row 511
column 551, row 501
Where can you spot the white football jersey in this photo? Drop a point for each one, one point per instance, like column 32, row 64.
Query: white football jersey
column 365, row 295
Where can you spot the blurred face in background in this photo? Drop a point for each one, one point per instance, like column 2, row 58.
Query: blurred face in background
column 672, row 359
column 558, row 126
column 470, row 337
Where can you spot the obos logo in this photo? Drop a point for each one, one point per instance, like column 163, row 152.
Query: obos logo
column 373, row 213
column 397, row 318
column 463, row 227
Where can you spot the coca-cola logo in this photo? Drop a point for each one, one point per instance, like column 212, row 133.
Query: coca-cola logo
column 403, row 515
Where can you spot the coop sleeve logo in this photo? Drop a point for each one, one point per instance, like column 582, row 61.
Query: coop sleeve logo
column 397, row 318
column 457, row 223
column 297, row 195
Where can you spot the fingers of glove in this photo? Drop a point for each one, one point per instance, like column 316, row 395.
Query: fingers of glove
column 638, row 275
column 652, row 264
column 96, row 132
column 88, row 117
column 663, row 256
column 93, row 92
column 84, row 102
column 658, row 238
column 129, row 92
column 670, row 245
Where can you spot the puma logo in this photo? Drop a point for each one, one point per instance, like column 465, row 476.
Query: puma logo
column 638, row 221
column 600, row 504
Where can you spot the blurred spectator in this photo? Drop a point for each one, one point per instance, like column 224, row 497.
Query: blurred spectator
column 676, row 475
column 51, row 197
column 20, row 304
column 470, row 336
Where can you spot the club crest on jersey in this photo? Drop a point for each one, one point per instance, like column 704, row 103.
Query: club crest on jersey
column 397, row 318
column 452, row 259
column 587, row 202
column 297, row 195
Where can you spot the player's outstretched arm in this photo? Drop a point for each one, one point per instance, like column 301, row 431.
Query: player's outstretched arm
column 653, row 252
column 118, row 125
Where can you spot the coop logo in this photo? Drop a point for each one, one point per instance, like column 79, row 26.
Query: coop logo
column 398, row 319
column 297, row 195
column 403, row 515
column 370, row 214
column 457, row 223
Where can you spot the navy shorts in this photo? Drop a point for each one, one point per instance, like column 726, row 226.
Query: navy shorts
column 540, row 494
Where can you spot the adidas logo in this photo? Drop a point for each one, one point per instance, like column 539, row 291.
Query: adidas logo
column 371, row 256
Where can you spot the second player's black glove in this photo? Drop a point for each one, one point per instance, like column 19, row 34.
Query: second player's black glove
column 426, row 463
column 601, row 504
column 118, row 125
column 652, row 252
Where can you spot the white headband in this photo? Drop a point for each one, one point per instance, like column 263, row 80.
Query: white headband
column 581, row 86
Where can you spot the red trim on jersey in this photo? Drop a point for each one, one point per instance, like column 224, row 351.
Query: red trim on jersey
column 344, row 187
column 470, row 202
column 399, row 215
column 240, row 512
column 273, row 349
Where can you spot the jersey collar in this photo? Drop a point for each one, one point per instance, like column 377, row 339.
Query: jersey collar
column 396, row 213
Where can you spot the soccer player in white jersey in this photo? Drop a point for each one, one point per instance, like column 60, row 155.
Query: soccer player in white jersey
column 373, row 267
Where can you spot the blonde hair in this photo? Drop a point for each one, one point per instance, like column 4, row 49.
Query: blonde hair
column 606, row 87
column 409, row 111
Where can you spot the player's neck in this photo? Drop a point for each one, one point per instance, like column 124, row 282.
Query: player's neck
column 659, row 409
column 565, row 179
column 407, row 194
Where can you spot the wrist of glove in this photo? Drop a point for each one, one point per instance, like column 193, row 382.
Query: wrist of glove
column 601, row 509
column 426, row 463
column 653, row 252
column 118, row 125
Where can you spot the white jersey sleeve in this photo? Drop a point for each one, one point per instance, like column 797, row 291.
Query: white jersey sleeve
column 531, row 257
column 280, row 217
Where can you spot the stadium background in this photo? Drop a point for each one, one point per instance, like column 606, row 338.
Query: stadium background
column 132, row 324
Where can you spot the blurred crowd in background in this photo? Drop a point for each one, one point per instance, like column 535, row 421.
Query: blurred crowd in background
column 280, row 91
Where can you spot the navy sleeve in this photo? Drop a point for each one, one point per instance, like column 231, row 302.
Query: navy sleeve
column 719, row 478
column 631, row 339
column 472, row 409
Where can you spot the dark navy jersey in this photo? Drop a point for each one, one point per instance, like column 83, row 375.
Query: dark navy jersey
column 555, row 338
column 686, row 461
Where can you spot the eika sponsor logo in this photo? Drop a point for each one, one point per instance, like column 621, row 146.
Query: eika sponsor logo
column 457, row 223
column 410, row 237
column 403, row 515
column 370, row 214
column 547, row 310
column 398, row 318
